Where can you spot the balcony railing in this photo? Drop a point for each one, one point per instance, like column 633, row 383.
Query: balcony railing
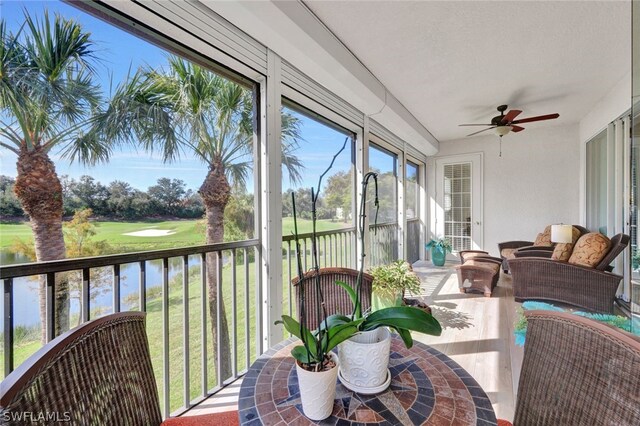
column 180, row 340
column 384, row 243
column 171, row 286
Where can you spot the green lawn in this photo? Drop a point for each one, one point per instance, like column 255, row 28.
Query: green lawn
column 187, row 232
column 304, row 226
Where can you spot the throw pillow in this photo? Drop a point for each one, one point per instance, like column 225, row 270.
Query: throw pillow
column 544, row 238
column 590, row 249
column 562, row 251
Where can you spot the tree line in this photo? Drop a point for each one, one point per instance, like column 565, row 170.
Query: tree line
column 116, row 200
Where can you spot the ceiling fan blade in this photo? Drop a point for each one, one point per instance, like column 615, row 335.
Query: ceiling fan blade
column 516, row 129
column 538, row 118
column 483, row 130
column 475, row 124
column 511, row 115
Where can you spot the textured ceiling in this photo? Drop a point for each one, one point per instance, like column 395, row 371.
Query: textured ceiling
column 453, row 62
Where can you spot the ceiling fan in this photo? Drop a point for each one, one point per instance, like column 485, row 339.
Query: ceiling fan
column 505, row 123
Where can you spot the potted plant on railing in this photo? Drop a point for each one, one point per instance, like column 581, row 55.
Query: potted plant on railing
column 439, row 249
column 390, row 283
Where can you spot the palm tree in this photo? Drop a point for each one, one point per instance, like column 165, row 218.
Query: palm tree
column 47, row 100
column 188, row 108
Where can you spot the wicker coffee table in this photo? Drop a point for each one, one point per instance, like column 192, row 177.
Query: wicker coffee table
column 427, row 387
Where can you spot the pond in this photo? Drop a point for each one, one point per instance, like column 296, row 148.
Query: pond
column 25, row 289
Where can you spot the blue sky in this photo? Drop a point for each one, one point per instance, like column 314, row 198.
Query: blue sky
column 140, row 169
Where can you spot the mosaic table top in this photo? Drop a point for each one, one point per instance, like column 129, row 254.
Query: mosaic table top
column 427, row 388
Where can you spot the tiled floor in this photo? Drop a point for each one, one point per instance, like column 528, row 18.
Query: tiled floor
column 477, row 334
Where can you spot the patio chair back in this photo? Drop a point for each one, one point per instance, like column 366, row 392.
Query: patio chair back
column 618, row 243
column 335, row 297
column 99, row 373
column 577, row 371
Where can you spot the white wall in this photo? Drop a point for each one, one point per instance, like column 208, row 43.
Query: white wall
column 534, row 184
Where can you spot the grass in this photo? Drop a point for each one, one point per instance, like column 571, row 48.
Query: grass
column 187, row 232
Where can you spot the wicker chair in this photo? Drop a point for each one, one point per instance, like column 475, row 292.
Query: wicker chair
column 577, row 371
column 589, row 288
column 336, row 299
column 99, row 373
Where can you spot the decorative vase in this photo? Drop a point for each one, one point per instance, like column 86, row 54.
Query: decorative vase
column 318, row 390
column 364, row 360
column 438, row 256
column 381, row 301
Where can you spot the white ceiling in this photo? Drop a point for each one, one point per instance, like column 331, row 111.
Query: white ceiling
column 454, row 62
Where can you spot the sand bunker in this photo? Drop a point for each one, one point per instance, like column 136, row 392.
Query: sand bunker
column 151, row 233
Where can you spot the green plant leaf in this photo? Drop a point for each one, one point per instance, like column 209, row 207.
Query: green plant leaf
column 301, row 354
column 334, row 320
column 350, row 290
column 405, row 335
column 406, row 317
column 340, row 333
column 293, row 327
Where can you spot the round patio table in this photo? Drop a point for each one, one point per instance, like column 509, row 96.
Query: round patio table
column 427, row 388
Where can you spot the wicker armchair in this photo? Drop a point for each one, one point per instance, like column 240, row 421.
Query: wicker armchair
column 593, row 289
column 99, row 373
column 577, row 371
column 336, row 299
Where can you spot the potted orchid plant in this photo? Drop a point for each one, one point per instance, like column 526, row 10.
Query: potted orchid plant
column 316, row 364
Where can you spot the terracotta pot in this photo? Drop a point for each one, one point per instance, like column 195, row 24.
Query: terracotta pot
column 318, row 390
column 364, row 359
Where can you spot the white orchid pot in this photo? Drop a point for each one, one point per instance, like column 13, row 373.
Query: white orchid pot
column 364, row 358
column 318, row 390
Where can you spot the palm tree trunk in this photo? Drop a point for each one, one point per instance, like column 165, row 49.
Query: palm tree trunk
column 40, row 193
column 215, row 192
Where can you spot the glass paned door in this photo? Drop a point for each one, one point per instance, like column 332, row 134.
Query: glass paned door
column 457, row 205
column 458, row 209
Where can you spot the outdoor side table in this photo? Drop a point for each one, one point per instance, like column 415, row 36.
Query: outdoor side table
column 427, row 388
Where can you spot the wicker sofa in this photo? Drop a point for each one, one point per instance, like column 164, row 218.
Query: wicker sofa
column 592, row 288
column 542, row 246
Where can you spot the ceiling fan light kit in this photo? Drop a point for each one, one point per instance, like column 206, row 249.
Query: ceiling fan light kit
column 503, row 130
column 506, row 123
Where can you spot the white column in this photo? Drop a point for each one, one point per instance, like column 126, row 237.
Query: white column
column 402, row 217
column 271, row 209
column 424, row 207
column 362, row 167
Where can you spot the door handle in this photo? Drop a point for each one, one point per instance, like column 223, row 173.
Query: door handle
column 478, row 223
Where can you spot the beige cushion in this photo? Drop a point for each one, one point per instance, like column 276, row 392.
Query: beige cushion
column 489, row 265
column 590, row 249
column 467, row 256
column 544, row 238
column 562, row 251
column 507, row 253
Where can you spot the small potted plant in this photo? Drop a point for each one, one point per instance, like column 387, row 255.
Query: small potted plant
column 439, row 249
column 390, row 282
